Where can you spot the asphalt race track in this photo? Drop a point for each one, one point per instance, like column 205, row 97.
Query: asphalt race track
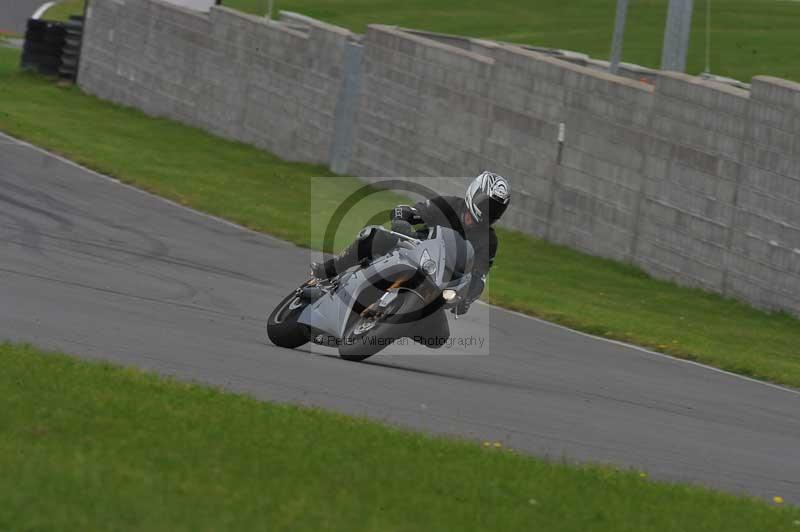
column 102, row 270
column 14, row 14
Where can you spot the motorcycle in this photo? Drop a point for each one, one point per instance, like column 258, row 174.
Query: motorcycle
column 364, row 309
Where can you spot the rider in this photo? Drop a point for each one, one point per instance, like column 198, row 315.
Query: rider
column 485, row 201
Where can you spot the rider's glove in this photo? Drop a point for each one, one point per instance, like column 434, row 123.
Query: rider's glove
column 407, row 214
column 462, row 307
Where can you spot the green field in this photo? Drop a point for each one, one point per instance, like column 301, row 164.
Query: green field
column 241, row 183
column 86, row 446
column 748, row 37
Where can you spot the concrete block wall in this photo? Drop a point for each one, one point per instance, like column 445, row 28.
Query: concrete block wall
column 230, row 73
column 429, row 109
column 671, row 178
column 527, row 107
column 764, row 252
column 422, row 109
column 692, row 180
column 599, row 176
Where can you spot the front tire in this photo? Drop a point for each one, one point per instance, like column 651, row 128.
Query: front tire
column 364, row 339
column 367, row 336
column 282, row 326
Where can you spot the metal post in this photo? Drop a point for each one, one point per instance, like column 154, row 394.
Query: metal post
column 676, row 35
column 269, row 10
column 619, row 35
column 708, row 37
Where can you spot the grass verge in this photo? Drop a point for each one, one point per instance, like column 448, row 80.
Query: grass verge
column 260, row 191
column 63, row 10
column 747, row 37
column 88, row 446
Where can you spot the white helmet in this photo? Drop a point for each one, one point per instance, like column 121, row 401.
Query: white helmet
column 488, row 197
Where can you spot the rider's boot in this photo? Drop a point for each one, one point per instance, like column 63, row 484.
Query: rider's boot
column 325, row 269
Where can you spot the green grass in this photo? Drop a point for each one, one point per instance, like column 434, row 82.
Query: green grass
column 88, row 446
column 63, row 10
column 621, row 302
column 260, row 191
column 749, row 37
column 221, row 177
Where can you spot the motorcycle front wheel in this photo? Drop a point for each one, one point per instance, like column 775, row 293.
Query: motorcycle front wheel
column 282, row 326
column 366, row 336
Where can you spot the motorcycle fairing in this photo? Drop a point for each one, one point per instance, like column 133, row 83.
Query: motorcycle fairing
column 331, row 312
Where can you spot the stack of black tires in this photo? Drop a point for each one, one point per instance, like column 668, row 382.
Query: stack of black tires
column 44, row 44
column 53, row 48
column 72, row 49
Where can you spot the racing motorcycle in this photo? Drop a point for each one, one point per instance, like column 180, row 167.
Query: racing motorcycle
column 368, row 307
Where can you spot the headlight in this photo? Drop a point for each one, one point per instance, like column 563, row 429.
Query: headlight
column 427, row 264
column 448, row 294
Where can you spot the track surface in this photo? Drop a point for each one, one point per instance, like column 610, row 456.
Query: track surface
column 105, row 271
column 14, row 14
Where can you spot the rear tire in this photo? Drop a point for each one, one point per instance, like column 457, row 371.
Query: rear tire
column 282, row 327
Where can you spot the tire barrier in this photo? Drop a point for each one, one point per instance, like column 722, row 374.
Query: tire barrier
column 44, row 42
column 53, row 48
column 71, row 52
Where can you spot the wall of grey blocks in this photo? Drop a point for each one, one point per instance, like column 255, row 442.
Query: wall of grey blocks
column 693, row 181
column 230, row 73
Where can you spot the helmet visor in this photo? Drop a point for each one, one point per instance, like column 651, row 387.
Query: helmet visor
column 488, row 210
column 496, row 210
